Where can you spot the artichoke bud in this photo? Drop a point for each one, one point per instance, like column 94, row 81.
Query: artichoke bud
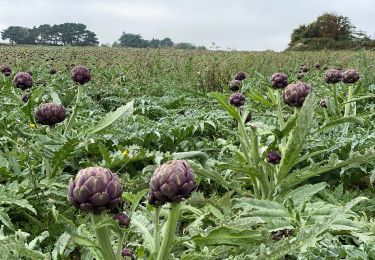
column 50, row 114
column 350, row 76
column 279, row 80
column 95, row 189
column 240, row 76
column 234, row 85
column 123, row 219
column 171, row 182
column 237, row 99
column 333, row 76
column 295, row 94
column 273, row 157
column 5, row 70
column 23, row 80
column 80, row 74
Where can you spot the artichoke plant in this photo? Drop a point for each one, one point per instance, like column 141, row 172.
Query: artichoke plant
column 126, row 252
column 323, row 103
column 240, row 76
column 81, row 74
column 234, row 85
column 237, row 99
column 5, row 70
column 23, row 80
column 95, row 189
column 333, row 76
column 350, row 76
column 52, row 71
column 273, row 157
column 171, row 182
column 295, row 94
column 50, row 114
column 123, row 219
column 279, row 80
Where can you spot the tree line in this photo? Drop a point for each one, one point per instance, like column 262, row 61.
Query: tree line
column 329, row 31
column 136, row 41
column 75, row 34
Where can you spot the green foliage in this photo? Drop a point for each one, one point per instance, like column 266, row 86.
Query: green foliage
column 145, row 107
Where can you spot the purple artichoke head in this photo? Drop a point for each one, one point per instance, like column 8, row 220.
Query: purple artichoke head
column 95, row 189
column 279, row 80
column 23, row 80
column 240, row 76
column 171, row 182
column 122, row 219
column 273, row 157
column 50, row 114
column 295, row 94
column 5, row 70
column 350, row 76
column 234, row 85
column 333, row 76
column 237, row 99
column 126, row 252
column 81, row 74
column 318, row 66
column 52, row 71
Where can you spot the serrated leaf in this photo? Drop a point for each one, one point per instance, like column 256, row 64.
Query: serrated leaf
column 5, row 219
column 60, row 245
column 300, row 194
column 110, row 118
column 228, row 236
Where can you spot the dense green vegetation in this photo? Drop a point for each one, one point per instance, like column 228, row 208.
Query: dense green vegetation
column 144, row 107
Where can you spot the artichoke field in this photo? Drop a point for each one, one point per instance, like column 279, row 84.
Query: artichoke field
column 112, row 153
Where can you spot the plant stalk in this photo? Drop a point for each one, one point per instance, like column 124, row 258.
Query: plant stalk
column 347, row 109
column 157, row 230
column 75, row 111
column 170, row 231
column 102, row 235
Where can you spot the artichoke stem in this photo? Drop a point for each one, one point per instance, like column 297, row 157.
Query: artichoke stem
column 75, row 111
column 335, row 99
column 102, row 235
column 347, row 109
column 170, row 231
column 157, row 230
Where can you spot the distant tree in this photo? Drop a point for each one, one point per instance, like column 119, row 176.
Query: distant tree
column 166, row 42
column 329, row 30
column 131, row 40
column 17, row 35
column 184, row 45
column 136, row 41
column 154, row 43
column 62, row 34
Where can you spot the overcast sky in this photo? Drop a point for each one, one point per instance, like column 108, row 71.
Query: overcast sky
column 239, row 24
